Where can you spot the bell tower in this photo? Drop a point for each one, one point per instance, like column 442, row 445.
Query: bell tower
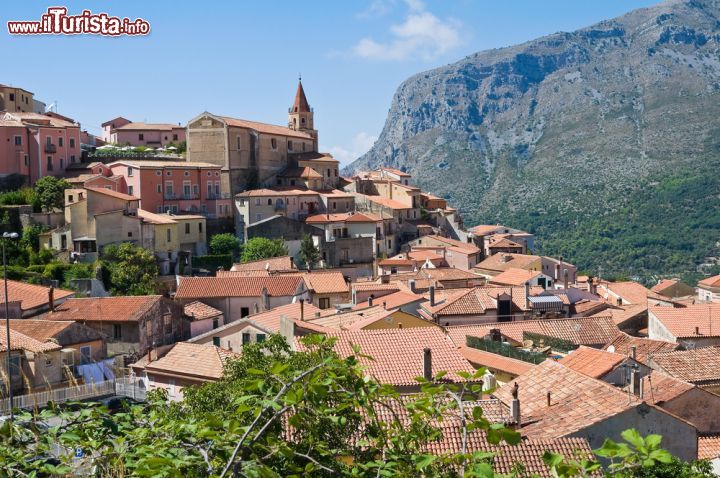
column 300, row 115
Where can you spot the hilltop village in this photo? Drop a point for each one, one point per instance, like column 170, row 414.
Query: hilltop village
column 369, row 259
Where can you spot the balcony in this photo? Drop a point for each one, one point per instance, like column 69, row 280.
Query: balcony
column 50, row 148
column 181, row 197
column 219, row 196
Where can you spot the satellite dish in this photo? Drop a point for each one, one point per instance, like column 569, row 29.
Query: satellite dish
column 611, row 349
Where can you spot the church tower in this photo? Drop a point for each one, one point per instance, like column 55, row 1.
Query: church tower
column 300, row 115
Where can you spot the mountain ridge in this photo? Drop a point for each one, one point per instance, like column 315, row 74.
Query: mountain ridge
column 557, row 132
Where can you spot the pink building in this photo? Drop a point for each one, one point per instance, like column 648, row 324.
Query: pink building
column 37, row 145
column 123, row 131
column 97, row 175
column 175, row 186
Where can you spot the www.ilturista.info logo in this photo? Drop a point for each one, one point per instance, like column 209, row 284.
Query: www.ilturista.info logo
column 57, row 22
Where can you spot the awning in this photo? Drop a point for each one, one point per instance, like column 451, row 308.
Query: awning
column 546, row 303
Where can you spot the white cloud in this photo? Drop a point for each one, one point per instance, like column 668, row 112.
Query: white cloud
column 360, row 144
column 420, row 35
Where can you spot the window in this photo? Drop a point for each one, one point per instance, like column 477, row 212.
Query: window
column 200, row 227
column 216, row 340
column 257, row 201
column 18, row 140
column 260, row 338
column 290, row 146
column 169, row 188
column 195, row 190
column 48, row 140
column 246, row 338
column 49, row 163
column 269, row 202
column 60, row 141
column 72, row 142
column 238, row 142
column 141, row 137
column 217, row 173
column 209, row 173
column 168, row 173
column 187, row 228
column 216, row 323
column 130, row 188
column 175, row 137
column 12, row 96
column 303, row 146
column 336, row 173
column 168, row 234
column 217, row 188
column 186, row 189
column 129, row 233
column 210, row 190
column 117, row 331
column 334, row 205
column 85, row 354
column 324, row 303
column 159, row 188
column 130, row 171
column 62, row 163
column 258, row 217
column 158, row 173
column 389, row 244
column 328, row 173
column 167, row 320
column 186, row 173
column 72, row 159
column 27, row 160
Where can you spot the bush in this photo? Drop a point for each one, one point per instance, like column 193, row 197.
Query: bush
column 212, row 262
column 225, row 243
column 259, row 248
column 17, row 198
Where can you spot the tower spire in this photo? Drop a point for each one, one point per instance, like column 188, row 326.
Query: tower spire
column 301, row 104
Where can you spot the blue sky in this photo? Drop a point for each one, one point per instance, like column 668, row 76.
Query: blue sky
column 242, row 58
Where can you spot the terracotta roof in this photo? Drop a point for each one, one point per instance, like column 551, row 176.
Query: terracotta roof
column 20, row 341
column 31, row 296
column 111, row 193
column 389, row 203
column 518, row 261
column 503, row 242
column 622, row 313
column 282, row 263
column 684, row 322
column 150, row 126
column 40, row 119
column 326, row 282
column 110, row 309
column 166, row 164
column 203, row 362
column 446, row 274
column 313, row 156
column 64, row 333
column 270, row 320
column 396, row 262
column 484, row 229
column 398, row 353
column 713, row 281
column 644, row 347
column 576, row 400
column 595, row 331
column 481, row 358
column 304, row 173
column 664, row 284
column 392, row 301
column 397, row 172
column 632, row 292
column 423, row 255
column 278, row 191
column 698, row 365
column 659, row 387
column 265, row 128
column 478, row 300
column 206, row 287
column 354, row 320
column 300, row 105
column 371, row 286
column 708, row 447
column 514, row 276
column 592, row 362
column 465, row 247
column 153, row 218
column 199, row 311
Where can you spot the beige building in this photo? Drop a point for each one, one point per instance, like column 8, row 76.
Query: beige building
column 251, row 153
column 14, row 99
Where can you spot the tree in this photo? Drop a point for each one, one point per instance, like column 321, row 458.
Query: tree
column 259, row 248
column 131, row 270
column 309, row 254
column 225, row 243
column 50, row 192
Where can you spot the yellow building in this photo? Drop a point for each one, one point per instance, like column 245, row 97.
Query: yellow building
column 14, row 99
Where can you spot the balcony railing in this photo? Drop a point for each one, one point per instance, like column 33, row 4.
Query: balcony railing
column 50, row 148
column 219, row 196
column 181, row 197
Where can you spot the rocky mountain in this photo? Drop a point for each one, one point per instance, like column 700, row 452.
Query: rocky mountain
column 604, row 141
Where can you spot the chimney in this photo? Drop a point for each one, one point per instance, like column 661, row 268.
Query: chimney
column 549, row 398
column 527, row 295
column 641, row 392
column 515, row 406
column 384, row 305
column 565, row 279
column 370, row 301
column 557, row 272
column 697, row 330
column 432, row 295
column 427, row 364
column 292, row 262
column 411, row 285
column 495, row 335
column 633, row 352
column 385, row 278
column 51, row 299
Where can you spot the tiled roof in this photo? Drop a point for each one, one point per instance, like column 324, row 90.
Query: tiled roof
column 326, row 282
column 278, row 191
column 623, row 313
column 698, row 365
column 484, row 229
column 204, row 362
column 62, row 332
column 708, row 447
column 396, row 172
column 493, row 361
column 305, row 173
column 589, row 331
column 111, row 193
column 31, row 296
column 283, row 263
column 702, row 319
column 506, row 260
column 355, row 320
column 138, row 126
column 632, row 292
column 423, row 255
column 389, row 203
column 392, row 301
column 576, row 400
column 300, row 105
column 465, row 247
column 644, row 348
column 166, row 164
column 514, row 276
column 328, row 218
column 477, row 300
column 371, row 286
column 206, row 287
column 659, row 387
column 396, row 262
column 20, row 341
column 265, row 128
column 446, row 274
column 314, row 156
column 199, row 311
column 592, row 362
column 110, row 309
column 664, row 284
column 153, row 218
column 270, row 320
column 713, row 281
column 398, row 353
column 37, row 118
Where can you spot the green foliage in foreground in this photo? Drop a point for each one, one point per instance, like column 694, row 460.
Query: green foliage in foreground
column 280, row 413
column 225, row 243
column 130, row 269
column 259, row 248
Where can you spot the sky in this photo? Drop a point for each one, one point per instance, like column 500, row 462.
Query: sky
column 243, row 58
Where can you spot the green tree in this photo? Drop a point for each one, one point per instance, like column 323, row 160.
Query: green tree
column 259, row 248
column 131, row 270
column 309, row 254
column 50, row 192
column 225, row 243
